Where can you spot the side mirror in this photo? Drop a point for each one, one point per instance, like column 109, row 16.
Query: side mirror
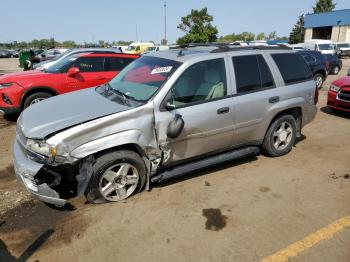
column 175, row 126
column 169, row 106
column 349, row 72
column 73, row 71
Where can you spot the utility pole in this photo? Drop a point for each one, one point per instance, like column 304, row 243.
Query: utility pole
column 165, row 22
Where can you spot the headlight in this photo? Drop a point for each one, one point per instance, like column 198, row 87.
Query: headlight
column 334, row 88
column 41, row 147
column 5, row 85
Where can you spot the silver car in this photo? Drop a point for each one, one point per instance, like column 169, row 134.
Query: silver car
column 165, row 115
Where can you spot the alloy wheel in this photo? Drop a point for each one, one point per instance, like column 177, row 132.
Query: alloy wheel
column 118, row 182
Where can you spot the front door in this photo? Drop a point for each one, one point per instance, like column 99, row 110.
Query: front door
column 90, row 73
column 201, row 97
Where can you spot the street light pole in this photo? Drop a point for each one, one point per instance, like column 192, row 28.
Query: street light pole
column 165, row 22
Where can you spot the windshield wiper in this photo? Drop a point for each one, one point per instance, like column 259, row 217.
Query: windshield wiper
column 126, row 101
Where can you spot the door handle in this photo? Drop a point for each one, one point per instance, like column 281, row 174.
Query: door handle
column 223, row 110
column 101, row 78
column 274, row 99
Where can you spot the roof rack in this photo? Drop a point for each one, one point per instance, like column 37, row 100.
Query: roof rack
column 226, row 47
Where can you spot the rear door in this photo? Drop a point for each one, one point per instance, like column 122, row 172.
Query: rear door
column 255, row 94
column 113, row 64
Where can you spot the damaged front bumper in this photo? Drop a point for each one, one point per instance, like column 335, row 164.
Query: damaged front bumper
column 26, row 170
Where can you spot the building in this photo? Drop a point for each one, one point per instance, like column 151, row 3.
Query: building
column 334, row 26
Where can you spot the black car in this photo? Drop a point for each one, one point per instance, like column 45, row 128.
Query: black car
column 334, row 64
column 317, row 64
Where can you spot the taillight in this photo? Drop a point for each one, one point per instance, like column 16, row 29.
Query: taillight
column 316, row 95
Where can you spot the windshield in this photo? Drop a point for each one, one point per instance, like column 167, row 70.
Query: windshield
column 141, row 79
column 325, row 47
column 131, row 48
column 343, row 45
column 61, row 65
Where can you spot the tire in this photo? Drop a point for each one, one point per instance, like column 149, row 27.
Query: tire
column 274, row 134
column 34, row 98
column 117, row 187
column 336, row 70
column 319, row 79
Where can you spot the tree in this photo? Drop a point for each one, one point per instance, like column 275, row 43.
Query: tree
column 298, row 32
column 68, row 44
column 198, row 28
column 323, row 6
column 260, row 36
column 272, row 35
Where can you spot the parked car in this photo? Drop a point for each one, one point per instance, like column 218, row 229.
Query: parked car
column 5, row 54
column 138, row 48
column 333, row 63
column 14, row 53
column 339, row 94
column 22, row 89
column 317, row 64
column 51, row 53
column 167, row 114
column 321, row 45
column 342, row 49
column 47, row 64
column 156, row 48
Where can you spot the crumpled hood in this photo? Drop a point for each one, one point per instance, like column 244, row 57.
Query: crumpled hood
column 63, row 111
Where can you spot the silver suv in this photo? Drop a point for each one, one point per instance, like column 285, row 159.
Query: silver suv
column 165, row 115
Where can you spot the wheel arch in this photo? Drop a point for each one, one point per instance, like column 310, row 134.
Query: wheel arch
column 37, row 89
column 295, row 111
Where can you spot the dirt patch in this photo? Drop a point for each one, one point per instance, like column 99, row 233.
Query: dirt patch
column 7, row 173
column 264, row 189
column 215, row 219
column 31, row 220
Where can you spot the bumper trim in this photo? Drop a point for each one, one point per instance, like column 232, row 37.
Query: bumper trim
column 10, row 110
column 25, row 170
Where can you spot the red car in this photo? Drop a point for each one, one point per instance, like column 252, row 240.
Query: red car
column 339, row 94
column 22, row 89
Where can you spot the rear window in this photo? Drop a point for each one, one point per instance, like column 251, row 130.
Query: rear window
column 293, row 68
column 116, row 63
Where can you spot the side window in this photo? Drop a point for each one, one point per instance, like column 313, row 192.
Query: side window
column 203, row 81
column 309, row 58
column 252, row 73
column 116, row 63
column 293, row 68
column 89, row 64
column 265, row 73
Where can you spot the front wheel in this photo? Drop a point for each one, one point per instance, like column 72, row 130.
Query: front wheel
column 116, row 176
column 35, row 98
column 280, row 137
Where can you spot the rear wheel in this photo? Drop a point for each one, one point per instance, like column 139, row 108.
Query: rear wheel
column 35, row 98
column 336, row 70
column 318, row 78
column 280, row 137
column 116, row 176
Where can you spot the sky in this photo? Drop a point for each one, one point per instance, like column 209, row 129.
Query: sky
column 113, row 20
